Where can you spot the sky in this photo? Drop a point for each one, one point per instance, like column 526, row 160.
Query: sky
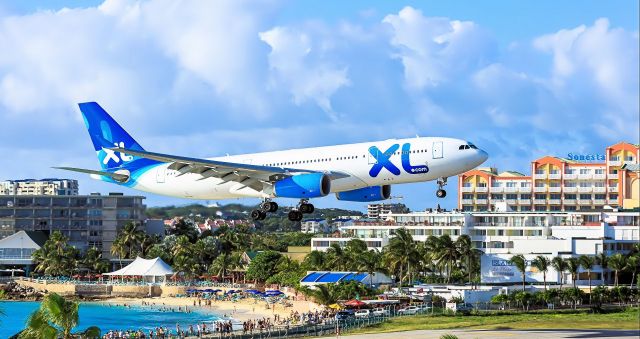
column 205, row 78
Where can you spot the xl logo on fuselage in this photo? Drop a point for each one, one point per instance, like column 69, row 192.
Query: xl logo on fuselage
column 383, row 160
column 110, row 155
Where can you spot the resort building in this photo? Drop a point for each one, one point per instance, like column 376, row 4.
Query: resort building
column 577, row 183
column 376, row 211
column 499, row 235
column 39, row 187
column 314, row 226
column 87, row 220
column 16, row 251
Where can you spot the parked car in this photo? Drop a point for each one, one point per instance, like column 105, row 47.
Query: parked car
column 380, row 311
column 464, row 308
column 408, row 310
column 362, row 313
column 345, row 315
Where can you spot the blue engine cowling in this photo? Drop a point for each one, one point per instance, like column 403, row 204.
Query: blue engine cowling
column 365, row 194
column 301, row 186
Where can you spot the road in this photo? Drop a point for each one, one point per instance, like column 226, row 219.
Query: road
column 487, row 334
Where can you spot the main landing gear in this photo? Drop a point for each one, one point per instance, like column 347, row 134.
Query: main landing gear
column 267, row 206
column 304, row 207
column 441, row 193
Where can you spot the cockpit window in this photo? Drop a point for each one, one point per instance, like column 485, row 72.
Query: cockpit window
column 473, row 146
column 467, row 146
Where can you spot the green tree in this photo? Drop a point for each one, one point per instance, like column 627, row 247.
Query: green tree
column 602, row 260
column 520, row 263
column 323, row 295
column 446, row 255
column 467, row 253
column 617, row 263
column 336, row 258
column 587, row 262
column 573, row 265
column 263, row 266
column 560, row 265
column 542, row 263
column 314, row 261
column 632, row 266
column 94, row 262
column 56, row 257
column 370, row 262
column 185, row 227
column 131, row 238
column 224, row 263
column 403, row 251
column 56, row 318
column 118, row 248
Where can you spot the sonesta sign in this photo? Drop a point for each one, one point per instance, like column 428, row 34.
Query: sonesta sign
column 586, row 157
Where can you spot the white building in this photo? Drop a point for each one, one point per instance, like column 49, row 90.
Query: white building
column 314, row 226
column 505, row 234
column 380, row 211
column 39, row 187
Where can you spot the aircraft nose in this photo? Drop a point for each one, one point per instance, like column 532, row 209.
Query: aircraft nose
column 481, row 157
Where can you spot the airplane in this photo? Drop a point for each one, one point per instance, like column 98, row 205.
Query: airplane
column 362, row 172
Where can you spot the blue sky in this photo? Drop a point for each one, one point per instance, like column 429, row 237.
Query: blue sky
column 519, row 79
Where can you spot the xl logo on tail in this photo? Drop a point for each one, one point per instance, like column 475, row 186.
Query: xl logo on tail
column 383, row 160
column 110, row 155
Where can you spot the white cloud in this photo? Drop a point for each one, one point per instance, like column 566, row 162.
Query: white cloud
column 434, row 49
column 298, row 64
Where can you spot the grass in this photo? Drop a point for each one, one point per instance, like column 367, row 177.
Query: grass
column 627, row 319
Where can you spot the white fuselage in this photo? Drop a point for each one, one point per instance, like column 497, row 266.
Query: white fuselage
column 442, row 156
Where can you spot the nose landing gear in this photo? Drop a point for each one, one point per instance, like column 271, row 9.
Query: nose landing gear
column 441, row 193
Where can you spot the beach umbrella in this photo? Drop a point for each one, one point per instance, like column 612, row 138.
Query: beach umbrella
column 354, row 303
column 335, row 306
column 208, row 290
column 252, row 291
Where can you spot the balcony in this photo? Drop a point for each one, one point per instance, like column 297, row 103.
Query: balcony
column 615, row 162
column 497, row 189
column 612, row 201
column 554, row 189
column 599, row 189
column 600, row 176
column 585, row 176
column 481, row 201
column 570, row 176
column 612, row 189
column 466, row 201
column 584, row 202
column 481, row 189
column 524, row 189
column 540, row 189
column 570, row 189
column 569, row 201
column 599, row 202
column 467, row 189
column 555, row 201
column 510, row 189
column 540, row 176
column 539, row 201
column 512, row 201
column 585, row 189
column 556, row 176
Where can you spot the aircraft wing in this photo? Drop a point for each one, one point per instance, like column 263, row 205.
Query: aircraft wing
column 249, row 175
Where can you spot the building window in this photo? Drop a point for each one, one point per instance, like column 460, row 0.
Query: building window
column 569, row 208
column 496, row 196
column 615, row 158
column 555, row 196
column 541, row 196
column 570, row 196
column 525, row 208
column 540, row 171
column 511, row 184
column 601, row 196
column 585, row 171
column 599, row 171
column 628, row 158
column 512, row 196
column 467, row 196
column 482, row 196
column 585, row 196
column 613, row 196
column 525, row 196
column 585, row 184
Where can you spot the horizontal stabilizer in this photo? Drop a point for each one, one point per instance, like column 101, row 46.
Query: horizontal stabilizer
column 119, row 177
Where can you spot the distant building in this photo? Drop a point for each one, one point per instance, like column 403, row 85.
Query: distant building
column 16, row 250
column 314, row 226
column 87, row 220
column 379, row 211
column 39, row 187
column 576, row 183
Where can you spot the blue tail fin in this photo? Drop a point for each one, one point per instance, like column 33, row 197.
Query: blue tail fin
column 106, row 133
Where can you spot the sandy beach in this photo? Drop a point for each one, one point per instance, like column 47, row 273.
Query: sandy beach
column 241, row 310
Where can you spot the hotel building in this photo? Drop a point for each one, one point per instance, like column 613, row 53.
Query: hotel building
column 39, row 187
column 558, row 184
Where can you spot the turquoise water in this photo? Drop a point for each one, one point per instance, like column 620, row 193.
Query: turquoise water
column 104, row 316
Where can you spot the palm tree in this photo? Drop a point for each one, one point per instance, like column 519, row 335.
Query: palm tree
column 94, row 262
column 323, row 295
column 587, row 262
column 447, row 254
column 403, row 250
column 573, row 265
column 466, row 252
column 429, row 252
column 520, row 263
column 56, row 257
column 336, row 257
column 560, row 266
column 315, row 260
column 369, row 262
column 632, row 266
column 118, row 248
column 542, row 263
column 55, row 318
column 617, row 263
column 131, row 237
column 602, row 260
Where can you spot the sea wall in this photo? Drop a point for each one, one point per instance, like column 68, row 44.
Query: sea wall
column 99, row 290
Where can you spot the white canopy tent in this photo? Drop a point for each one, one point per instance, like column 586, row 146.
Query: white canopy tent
column 148, row 269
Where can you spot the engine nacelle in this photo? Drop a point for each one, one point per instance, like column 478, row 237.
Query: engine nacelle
column 366, row 194
column 301, row 186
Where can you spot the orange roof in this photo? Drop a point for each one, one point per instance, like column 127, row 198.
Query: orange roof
column 624, row 146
